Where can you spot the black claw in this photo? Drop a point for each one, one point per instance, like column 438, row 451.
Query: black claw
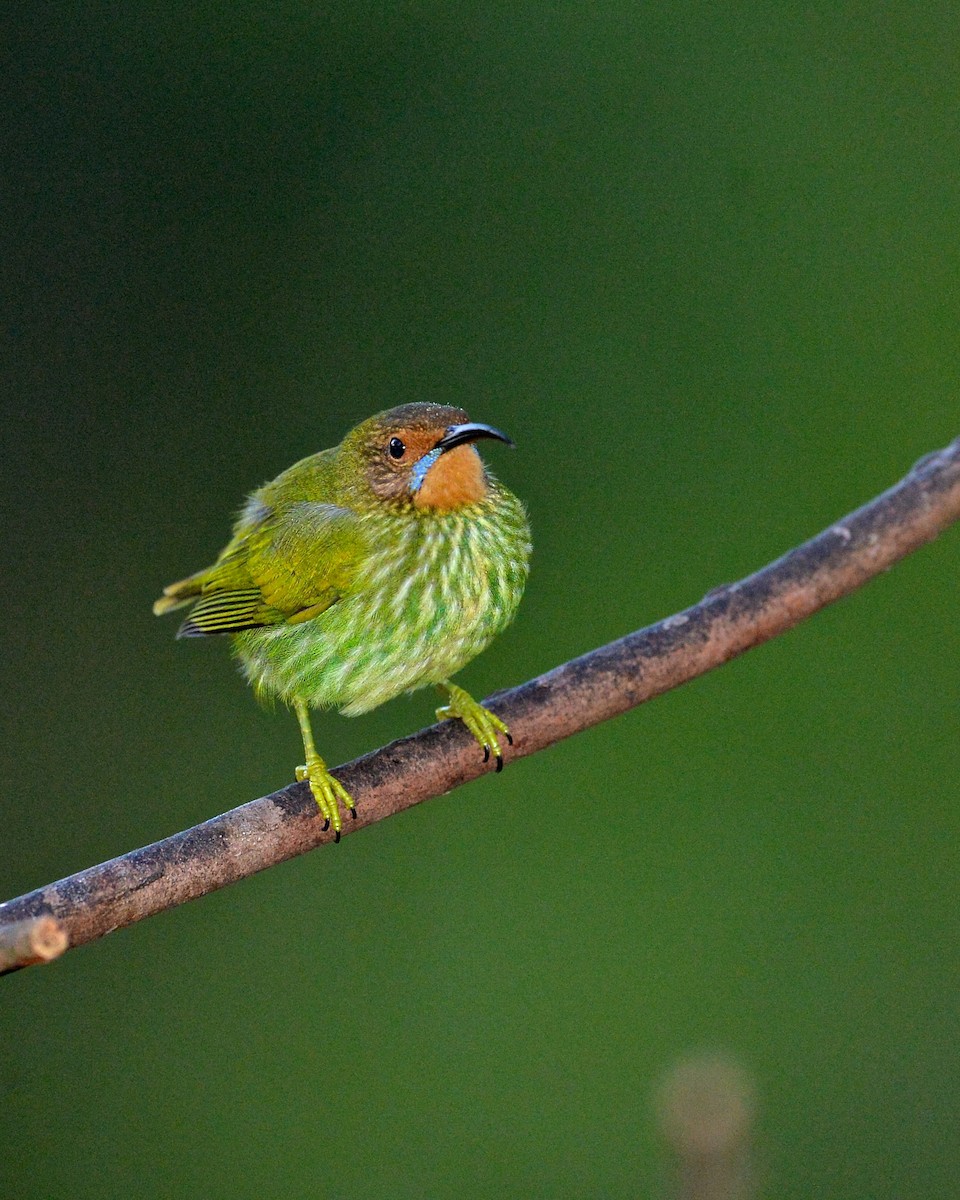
column 326, row 824
column 353, row 812
column 499, row 766
column 486, row 754
column 509, row 740
column 336, row 837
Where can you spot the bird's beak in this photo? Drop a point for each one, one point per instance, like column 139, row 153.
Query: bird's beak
column 458, row 435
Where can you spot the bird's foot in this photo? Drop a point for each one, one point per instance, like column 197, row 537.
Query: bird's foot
column 482, row 723
column 328, row 792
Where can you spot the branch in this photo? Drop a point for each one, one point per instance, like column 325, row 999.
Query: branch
column 35, row 940
column 564, row 701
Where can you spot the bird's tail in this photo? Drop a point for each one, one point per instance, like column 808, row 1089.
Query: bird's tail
column 176, row 595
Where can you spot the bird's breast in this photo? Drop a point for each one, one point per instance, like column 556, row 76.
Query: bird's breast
column 434, row 589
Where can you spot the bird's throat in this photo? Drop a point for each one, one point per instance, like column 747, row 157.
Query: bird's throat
column 455, row 479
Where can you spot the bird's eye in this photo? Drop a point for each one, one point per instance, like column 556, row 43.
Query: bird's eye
column 396, row 448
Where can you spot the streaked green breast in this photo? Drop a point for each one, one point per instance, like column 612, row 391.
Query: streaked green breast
column 436, row 588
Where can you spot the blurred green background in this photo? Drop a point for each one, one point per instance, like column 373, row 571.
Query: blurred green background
column 701, row 261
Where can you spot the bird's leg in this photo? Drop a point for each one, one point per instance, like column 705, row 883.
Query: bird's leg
column 326, row 790
column 482, row 723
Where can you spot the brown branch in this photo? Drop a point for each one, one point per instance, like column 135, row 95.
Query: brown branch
column 35, row 940
column 566, row 700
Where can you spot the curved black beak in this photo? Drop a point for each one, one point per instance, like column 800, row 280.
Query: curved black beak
column 457, row 435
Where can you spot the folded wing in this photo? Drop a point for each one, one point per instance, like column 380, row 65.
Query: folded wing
column 282, row 567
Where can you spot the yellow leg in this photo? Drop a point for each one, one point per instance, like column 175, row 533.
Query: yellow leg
column 482, row 723
column 328, row 792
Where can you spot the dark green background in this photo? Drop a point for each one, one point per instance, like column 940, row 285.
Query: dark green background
column 702, row 263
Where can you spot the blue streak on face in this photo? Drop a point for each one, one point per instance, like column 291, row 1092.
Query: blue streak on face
column 421, row 467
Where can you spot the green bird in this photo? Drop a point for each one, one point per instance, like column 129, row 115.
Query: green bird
column 377, row 567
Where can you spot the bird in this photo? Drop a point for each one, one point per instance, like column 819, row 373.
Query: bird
column 380, row 566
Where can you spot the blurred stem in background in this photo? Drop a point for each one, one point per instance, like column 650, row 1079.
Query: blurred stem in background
column 705, row 1109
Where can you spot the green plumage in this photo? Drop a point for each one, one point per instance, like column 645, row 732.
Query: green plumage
column 361, row 573
column 428, row 593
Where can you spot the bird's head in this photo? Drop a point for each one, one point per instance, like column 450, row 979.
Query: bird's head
column 422, row 454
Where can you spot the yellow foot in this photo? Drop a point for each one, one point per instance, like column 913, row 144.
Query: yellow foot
column 482, row 723
column 328, row 792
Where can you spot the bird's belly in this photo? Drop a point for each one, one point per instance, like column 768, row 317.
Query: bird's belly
column 401, row 629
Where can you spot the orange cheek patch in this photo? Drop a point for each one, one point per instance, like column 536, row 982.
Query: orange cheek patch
column 456, row 478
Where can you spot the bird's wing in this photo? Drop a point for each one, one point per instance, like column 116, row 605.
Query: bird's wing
column 283, row 566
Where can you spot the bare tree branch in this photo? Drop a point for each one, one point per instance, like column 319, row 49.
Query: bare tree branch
column 35, row 940
column 566, row 700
